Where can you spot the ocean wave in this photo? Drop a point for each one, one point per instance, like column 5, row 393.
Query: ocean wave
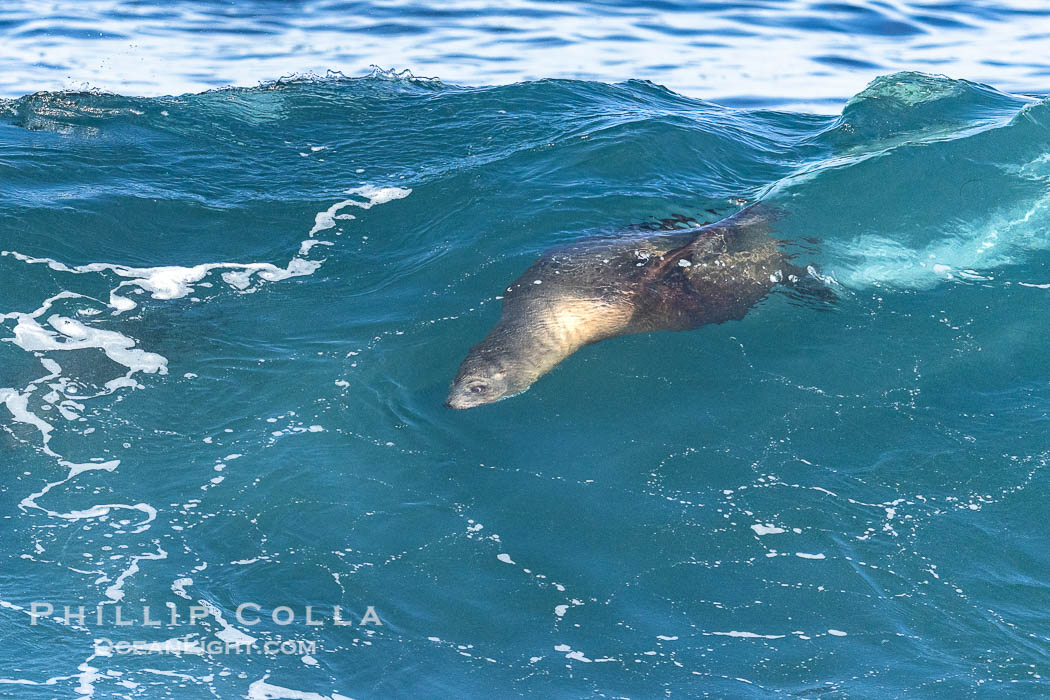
column 228, row 320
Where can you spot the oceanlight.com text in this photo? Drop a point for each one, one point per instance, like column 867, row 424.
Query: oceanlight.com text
column 179, row 647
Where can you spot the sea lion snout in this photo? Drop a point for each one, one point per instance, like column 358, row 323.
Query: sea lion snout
column 478, row 382
column 474, row 391
column 500, row 366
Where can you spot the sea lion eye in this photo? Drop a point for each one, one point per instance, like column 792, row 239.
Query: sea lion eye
column 478, row 388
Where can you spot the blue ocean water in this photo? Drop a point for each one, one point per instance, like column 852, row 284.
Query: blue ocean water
column 228, row 321
column 803, row 55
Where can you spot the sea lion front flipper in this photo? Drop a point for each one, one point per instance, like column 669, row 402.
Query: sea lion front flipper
column 677, row 293
column 709, row 244
column 670, row 303
column 669, row 300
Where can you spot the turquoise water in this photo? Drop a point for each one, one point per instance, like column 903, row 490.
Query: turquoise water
column 229, row 321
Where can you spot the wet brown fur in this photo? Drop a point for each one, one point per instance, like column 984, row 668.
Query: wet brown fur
column 603, row 288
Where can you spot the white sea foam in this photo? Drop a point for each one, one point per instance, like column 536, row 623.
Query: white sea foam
column 69, row 334
column 228, row 633
column 766, row 529
column 261, row 690
column 746, row 635
column 178, row 587
column 18, row 405
column 965, row 253
column 52, row 329
column 115, row 592
column 88, row 675
column 65, row 334
column 571, row 654
column 372, row 196
column 176, row 282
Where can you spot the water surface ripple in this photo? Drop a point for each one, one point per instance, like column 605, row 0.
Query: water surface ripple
column 799, row 54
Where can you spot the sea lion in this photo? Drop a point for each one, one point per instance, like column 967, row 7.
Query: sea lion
column 606, row 287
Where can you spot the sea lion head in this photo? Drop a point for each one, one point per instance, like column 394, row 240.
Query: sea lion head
column 534, row 334
column 487, row 376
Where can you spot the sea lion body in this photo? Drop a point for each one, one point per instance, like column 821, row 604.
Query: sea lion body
column 606, row 287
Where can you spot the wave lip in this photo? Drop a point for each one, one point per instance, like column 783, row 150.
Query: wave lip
column 697, row 49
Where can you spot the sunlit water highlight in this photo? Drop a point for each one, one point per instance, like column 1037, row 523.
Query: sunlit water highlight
column 800, row 54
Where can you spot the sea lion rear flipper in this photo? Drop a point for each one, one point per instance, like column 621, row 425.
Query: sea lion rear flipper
column 805, row 287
